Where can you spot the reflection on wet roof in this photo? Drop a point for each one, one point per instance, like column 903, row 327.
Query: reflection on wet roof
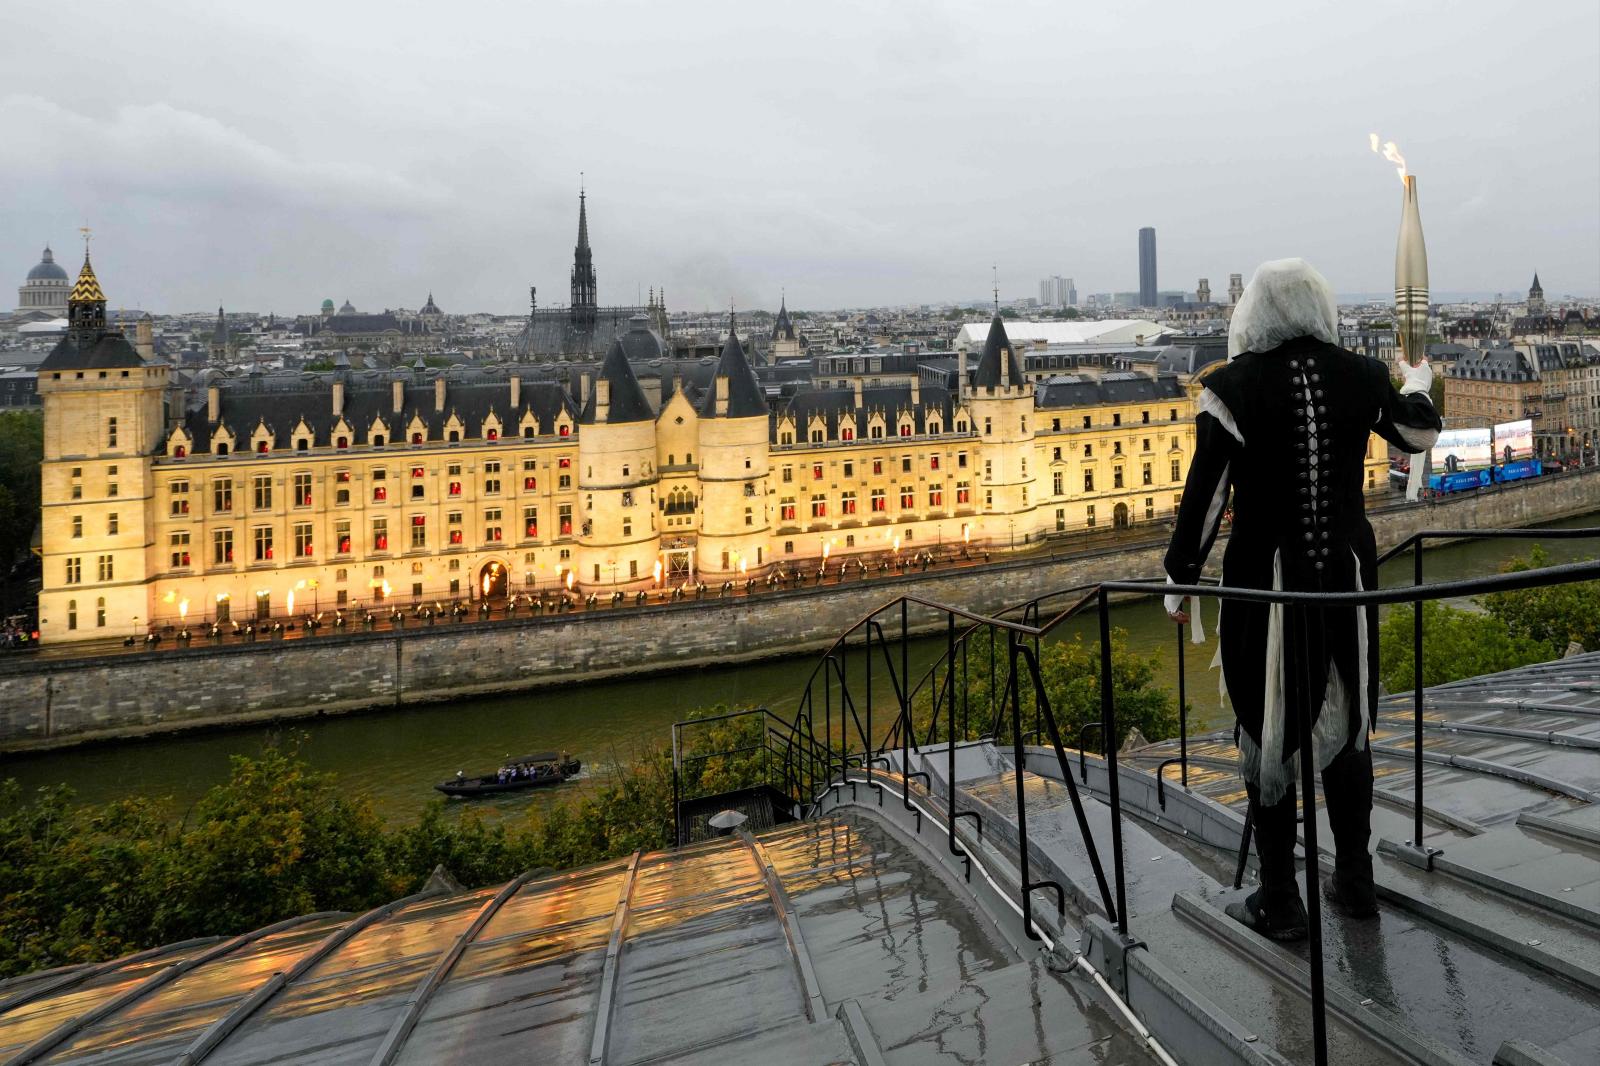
column 693, row 955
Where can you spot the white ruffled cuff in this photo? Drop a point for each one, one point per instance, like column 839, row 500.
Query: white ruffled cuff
column 1197, row 631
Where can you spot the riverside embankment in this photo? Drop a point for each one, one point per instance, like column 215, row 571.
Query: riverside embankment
column 51, row 702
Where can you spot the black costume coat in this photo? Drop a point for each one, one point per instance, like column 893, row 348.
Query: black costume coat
column 1303, row 413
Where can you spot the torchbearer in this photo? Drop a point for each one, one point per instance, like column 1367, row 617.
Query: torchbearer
column 1284, row 425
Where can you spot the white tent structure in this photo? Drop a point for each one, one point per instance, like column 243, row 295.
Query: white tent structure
column 1103, row 331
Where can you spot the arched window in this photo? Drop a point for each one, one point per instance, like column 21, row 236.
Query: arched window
column 494, row 434
column 416, row 438
column 222, row 449
column 455, row 437
column 342, row 442
column 300, row 444
column 527, row 432
column 263, row 448
column 179, row 451
column 100, row 612
column 847, row 433
column 72, row 614
column 378, row 440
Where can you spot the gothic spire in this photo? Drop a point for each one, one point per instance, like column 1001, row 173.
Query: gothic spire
column 585, row 303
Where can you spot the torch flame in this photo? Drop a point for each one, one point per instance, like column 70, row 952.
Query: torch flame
column 183, row 608
column 291, row 601
column 1390, row 151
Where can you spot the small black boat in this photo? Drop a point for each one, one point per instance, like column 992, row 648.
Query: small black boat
column 535, row 770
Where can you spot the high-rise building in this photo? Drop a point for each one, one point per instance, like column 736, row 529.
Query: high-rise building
column 1147, row 267
column 1057, row 291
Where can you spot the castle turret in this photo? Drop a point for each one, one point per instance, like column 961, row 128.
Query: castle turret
column 1001, row 401
column 734, row 437
column 618, row 537
column 104, row 424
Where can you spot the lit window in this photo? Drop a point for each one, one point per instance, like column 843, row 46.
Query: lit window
column 380, row 534
column 302, row 540
column 263, row 543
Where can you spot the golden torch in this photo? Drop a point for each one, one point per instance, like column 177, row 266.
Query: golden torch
column 1410, row 288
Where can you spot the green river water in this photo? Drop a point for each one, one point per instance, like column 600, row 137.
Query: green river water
column 393, row 757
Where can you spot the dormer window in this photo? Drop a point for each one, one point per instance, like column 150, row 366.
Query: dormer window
column 493, row 434
column 263, row 448
column 300, row 444
column 179, row 451
column 341, row 442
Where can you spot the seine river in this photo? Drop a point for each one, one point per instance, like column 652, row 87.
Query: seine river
column 393, row 757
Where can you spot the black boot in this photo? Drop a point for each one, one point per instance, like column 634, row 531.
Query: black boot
column 1278, row 918
column 1274, row 910
column 1347, row 786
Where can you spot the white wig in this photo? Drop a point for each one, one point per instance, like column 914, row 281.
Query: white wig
column 1286, row 299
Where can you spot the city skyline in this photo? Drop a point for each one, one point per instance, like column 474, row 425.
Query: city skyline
column 330, row 178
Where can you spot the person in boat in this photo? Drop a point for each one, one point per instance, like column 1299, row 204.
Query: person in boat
column 1285, row 426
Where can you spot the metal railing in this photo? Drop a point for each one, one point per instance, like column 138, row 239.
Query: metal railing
column 814, row 765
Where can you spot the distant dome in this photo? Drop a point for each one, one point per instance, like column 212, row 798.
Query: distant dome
column 48, row 269
column 347, row 309
column 640, row 344
column 327, row 307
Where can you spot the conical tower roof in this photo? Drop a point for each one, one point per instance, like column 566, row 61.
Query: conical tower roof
column 745, row 398
column 87, row 287
column 782, row 327
column 627, row 401
column 997, row 347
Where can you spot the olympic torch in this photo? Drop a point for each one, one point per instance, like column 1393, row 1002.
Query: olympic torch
column 1410, row 289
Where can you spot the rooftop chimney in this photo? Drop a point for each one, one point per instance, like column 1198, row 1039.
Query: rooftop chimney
column 338, row 397
column 438, row 394
column 916, row 392
column 516, row 393
column 144, row 339
column 858, row 393
column 602, row 399
column 961, row 373
column 213, row 403
column 399, row 389
column 722, row 395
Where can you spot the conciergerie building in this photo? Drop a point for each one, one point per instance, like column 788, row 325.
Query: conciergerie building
column 266, row 495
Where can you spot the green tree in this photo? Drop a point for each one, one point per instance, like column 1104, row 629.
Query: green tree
column 21, row 450
column 1456, row 643
column 1551, row 616
column 1070, row 672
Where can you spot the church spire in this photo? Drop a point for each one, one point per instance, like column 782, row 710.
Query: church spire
column 585, row 303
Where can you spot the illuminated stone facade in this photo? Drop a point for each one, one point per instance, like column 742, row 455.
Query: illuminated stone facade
column 272, row 495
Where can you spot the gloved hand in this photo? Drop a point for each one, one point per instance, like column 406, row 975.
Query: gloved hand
column 1419, row 378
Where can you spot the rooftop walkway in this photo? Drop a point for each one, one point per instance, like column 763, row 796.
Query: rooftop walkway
column 861, row 935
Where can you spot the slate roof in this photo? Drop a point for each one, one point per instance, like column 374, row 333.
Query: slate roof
column 1074, row 390
column 995, row 348
column 745, row 396
column 281, row 401
column 1492, row 364
column 782, row 327
column 109, row 351
column 551, row 332
column 837, row 408
column 627, row 401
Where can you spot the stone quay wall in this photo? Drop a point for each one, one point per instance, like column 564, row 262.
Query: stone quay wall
column 55, row 702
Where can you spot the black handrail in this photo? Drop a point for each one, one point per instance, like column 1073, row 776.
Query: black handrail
column 1021, row 655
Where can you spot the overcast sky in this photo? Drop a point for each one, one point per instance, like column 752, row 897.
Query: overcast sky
column 268, row 155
